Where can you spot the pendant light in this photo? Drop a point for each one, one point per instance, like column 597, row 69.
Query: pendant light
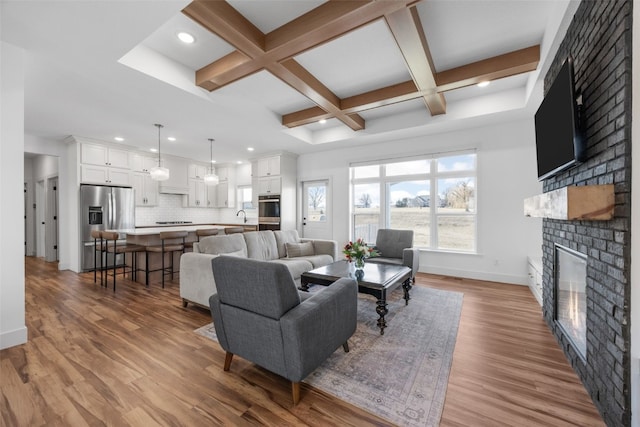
column 211, row 178
column 159, row 173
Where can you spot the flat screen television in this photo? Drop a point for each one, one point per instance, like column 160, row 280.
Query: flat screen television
column 559, row 141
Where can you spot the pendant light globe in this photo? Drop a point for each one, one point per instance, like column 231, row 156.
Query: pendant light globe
column 159, row 173
column 211, row 178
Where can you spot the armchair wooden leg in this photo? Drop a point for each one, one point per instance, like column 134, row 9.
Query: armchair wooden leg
column 295, row 391
column 227, row 361
column 345, row 346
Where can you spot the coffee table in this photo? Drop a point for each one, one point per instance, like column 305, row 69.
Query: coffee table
column 376, row 280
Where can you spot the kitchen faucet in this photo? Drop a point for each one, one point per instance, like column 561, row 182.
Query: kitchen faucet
column 244, row 214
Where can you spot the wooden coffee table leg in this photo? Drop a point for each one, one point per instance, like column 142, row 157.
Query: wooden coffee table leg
column 406, row 286
column 381, row 309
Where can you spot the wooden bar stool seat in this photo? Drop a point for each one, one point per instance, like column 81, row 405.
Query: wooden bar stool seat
column 203, row 232
column 111, row 246
column 164, row 248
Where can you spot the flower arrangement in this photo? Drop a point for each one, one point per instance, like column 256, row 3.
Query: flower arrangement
column 357, row 251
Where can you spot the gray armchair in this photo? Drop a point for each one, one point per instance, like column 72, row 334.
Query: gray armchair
column 396, row 247
column 259, row 315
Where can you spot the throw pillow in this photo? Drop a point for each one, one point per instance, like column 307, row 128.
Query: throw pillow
column 295, row 250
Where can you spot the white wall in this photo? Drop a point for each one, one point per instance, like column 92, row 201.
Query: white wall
column 13, row 330
column 635, row 222
column 506, row 176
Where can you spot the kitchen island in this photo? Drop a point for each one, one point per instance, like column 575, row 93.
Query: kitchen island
column 150, row 236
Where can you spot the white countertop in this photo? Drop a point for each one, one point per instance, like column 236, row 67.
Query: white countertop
column 157, row 230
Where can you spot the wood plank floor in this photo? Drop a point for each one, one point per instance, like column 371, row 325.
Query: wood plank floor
column 132, row 359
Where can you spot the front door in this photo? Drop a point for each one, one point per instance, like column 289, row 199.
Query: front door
column 316, row 210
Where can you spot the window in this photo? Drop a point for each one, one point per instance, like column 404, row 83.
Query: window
column 244, row 197
column 434, row 196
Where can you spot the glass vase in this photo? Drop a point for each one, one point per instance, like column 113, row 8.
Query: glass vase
column 359, row 263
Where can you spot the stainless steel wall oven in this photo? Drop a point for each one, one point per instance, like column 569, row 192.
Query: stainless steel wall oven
column 269, row 212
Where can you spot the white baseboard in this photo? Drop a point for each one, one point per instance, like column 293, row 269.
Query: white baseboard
column 13, row 338
column 479, row 275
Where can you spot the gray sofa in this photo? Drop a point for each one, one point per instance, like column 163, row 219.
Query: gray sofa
column 197, row 283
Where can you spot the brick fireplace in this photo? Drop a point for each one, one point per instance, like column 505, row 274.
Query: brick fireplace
column 599, row 40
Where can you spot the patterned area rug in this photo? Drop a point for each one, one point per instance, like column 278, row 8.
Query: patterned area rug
column 402, row 375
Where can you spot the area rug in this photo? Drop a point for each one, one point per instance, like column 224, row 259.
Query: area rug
column 402, row 375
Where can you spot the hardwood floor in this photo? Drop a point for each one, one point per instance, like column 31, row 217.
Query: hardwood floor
column 131, row 358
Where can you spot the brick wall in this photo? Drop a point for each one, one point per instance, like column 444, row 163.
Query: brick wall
column 599, row 40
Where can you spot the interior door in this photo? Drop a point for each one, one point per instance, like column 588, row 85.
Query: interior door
column 316, row 210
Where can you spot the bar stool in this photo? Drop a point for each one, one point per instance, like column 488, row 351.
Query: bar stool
column 163, row 249
column 115, row 249
column 232, row 230
column 98, row 247
column 203, row 232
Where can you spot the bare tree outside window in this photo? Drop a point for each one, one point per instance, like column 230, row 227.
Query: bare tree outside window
column 460, row 195
column 316, row 197
column 365, row 200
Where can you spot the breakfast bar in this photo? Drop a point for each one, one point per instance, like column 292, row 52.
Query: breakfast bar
column 150, row 236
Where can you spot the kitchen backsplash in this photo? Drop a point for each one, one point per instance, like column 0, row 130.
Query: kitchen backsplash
column 170, row 209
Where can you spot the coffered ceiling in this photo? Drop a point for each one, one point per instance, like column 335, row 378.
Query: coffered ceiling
column 263, row 73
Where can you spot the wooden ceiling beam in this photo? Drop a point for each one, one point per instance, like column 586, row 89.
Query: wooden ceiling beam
column 407, row 29
column 355, row 104
column 304, row 82
column 324, row 23
column 509, row 64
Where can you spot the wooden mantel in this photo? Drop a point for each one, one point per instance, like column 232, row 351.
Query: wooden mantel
column 586, row 202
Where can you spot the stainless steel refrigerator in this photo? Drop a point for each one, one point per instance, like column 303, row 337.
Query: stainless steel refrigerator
column 103, row 208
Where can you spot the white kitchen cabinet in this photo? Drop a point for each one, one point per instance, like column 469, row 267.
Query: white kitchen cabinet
column 197, row 171
column 223, row 173
column 269, row 166
column 91, row 174
column 226, row 195
column 197, row 196
column 142, row 163
column 103, row 155
column 269, row 186
column 146, row 189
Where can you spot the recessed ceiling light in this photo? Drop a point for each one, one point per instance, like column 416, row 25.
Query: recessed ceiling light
column 213, row 161
column 239, row 162
column 171, row 138
column 484, row 84
column 186, row 37
column 153, row 150
column 322, row 121
column 119, row 138
column 250, row 148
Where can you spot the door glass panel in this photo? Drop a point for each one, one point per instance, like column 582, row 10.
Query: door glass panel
column 316, row 203
column 409, row 206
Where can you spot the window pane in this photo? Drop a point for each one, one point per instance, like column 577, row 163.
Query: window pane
column 456, row 232
column 366, row 171
column 244, row 197
column 366, row 217
column 409, row 209
column 407, row 168
column 457, row 195
column 457, row 163
column 316, row 203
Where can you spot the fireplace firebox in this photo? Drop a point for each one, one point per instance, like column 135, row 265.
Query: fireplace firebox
column 570, row 296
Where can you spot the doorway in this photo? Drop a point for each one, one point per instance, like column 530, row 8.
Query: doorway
column 316, row 209
column 40, row 218
column 51, row 222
